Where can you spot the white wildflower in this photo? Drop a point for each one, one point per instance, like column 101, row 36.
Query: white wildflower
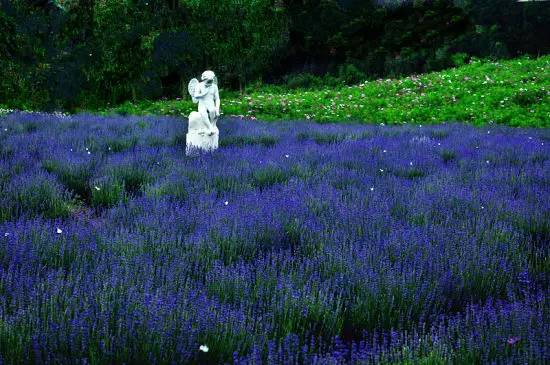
column 59, row 230
column 203, row 348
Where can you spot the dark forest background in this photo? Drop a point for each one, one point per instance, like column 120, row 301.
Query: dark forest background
column 94, row 53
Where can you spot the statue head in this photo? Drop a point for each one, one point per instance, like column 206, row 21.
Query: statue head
column 208, row 76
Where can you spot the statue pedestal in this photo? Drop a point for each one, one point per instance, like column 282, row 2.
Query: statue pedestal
column 201, row 142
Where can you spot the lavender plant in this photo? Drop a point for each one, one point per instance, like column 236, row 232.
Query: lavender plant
column 294, row 243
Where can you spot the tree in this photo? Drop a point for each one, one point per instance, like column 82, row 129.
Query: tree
column 240, row 38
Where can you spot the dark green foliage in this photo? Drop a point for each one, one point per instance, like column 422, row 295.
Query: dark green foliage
column 448, row 156
column 292, row 234
column 351, row 74
column 537, row 238
column 242, row 39
column 328, row 138
column 415, row 173
column 344, row 183
column 176, row 190
column 120, row 144
column 75, row 178
column 439, row 134
column 131, row 177
column 180, row 139
column 528, row 97
column 28, row 127
column 399, row 211
column 223, row 184
column 306, row 80
column 224, row 342
column 418, row 220
column 539, row 158
column 268, row 176
column 302, row 136
column 6, row 152
column 232, row 249
column 90, row 54
column 59, row 254
column 155, row 141
column 107, row 193
column 268, row 141
column 240, row 141
column 41, row 197
column 410, row 173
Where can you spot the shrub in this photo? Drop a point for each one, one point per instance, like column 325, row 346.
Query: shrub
column 302, row 81
column 459, row 59
column 350, row 74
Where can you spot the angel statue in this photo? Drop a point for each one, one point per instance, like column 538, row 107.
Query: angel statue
column 203, row 132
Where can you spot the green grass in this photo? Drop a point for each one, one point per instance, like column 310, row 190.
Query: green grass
column 108, row 193
column 513, row 92
column 265, row 177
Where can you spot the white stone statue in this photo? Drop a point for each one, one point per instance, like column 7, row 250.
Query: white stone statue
column 203, row 133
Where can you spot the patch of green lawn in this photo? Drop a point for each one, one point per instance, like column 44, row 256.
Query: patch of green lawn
column 514, row 92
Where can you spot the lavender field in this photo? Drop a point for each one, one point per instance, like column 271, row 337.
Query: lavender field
column 294, row 243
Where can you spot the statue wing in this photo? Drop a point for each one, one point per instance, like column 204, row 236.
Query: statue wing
column 191, row 88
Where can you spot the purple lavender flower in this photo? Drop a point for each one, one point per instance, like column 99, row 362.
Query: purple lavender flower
column 130, row 254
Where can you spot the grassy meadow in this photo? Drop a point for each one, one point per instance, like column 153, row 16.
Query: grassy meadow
column 514, row 93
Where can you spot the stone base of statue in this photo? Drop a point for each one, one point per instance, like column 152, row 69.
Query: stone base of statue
column 197, row 142
column 201, row 135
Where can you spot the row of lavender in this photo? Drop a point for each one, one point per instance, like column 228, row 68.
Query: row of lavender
column 293, row 243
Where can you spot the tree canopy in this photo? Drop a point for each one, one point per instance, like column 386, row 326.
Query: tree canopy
column 87, row 53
